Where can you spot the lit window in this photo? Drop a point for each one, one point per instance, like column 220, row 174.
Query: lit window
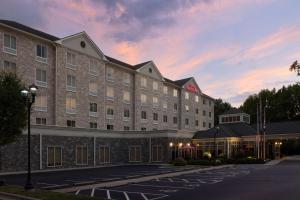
column 110, row 74
column 187, row 108
column 93, row 88
column 94, row 68
column 155, row 86
column 165, row 90
column 41, row 103
column 110, row 93
column 155, row 101
column 10, row 44
column 175, row 92
column 143, row 82
column 71, row 83
column 196, row 98
column 81, row 155
column 70, row 105
column 126, row 96
column 54, row 156
column 187, row 95
column 143, row 98
column 41, row 77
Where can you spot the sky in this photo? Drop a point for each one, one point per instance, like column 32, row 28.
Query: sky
column 233, row 48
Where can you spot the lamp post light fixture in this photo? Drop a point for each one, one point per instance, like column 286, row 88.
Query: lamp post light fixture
column 29, row 95
column 215, row 141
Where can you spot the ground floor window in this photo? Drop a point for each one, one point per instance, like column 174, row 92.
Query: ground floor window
column 40, row 121
column 71, row 123
column 135, row 154
column 54, row 156
column 104, row 154
column 109, row 127
column 157, row 153
column 93, row 125
column 81, row 155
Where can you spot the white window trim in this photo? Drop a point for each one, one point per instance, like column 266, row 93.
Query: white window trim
column 61, row 154
column 69, row 65
column 41, row 59
column 41, row 83
column 91, row 93
column 4, row 47
column 87, row 154
column 91, row 72
column 70, row 88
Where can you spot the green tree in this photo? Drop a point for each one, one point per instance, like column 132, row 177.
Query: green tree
column 295, row 67
column 12, row 108
column 220, row 107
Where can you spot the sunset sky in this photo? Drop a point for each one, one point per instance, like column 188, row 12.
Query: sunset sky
column 233, row 48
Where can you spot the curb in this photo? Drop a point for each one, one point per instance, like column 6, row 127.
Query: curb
column 11, row 196
column 137, row 180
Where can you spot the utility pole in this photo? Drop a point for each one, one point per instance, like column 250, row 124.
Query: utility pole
column 257, row 135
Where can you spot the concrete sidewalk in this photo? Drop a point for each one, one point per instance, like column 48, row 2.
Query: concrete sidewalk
column 137, row 180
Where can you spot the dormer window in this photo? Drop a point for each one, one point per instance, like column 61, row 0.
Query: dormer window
column 150, row 70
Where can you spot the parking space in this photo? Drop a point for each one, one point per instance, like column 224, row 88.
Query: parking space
column 59, row 179
column 160, row 188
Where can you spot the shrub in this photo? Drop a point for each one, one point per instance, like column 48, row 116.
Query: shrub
column 207, row 155
column 205, row 162
column 179, row 162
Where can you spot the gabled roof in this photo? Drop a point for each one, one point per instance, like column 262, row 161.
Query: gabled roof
column 181, row 82
column 118, row 62
column 138, row 66
column 28, row 29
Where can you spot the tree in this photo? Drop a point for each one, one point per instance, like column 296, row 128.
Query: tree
column 220, row 108
column 295, row 67
column 12, row 108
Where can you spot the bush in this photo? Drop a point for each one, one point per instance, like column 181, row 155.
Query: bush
column 205, row 162
column 207, row 155
column 179, row 162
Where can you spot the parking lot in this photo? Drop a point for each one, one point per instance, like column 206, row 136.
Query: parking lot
column 59, row 179
column 160, row 188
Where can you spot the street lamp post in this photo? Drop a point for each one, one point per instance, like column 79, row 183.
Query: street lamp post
column 29, row 96
column 215, row 141
column 264, row 133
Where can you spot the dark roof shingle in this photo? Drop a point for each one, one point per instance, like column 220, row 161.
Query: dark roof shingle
column 29, row 30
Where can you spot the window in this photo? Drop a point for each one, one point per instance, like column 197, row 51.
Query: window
column 175, row 107
column 93, row 88
column 93, row 125
column 41, row 53
column 143, row 82
column 186, row 121
column 143, row 99
column 126, row 78
column 41, row 77
column 155, row 117
column 70, row 123
column 144, row 115
column 71, row 60
column 81, row 155
column 110, row 93
column 187, row 108
column 94, row 68
column 10, row 67
column 150, row 70
column 54, row 156
column 187, row 95
column 71, row 83
column 156, row 153
column 196, row 123
column 204, row 124
column 204, row 113
column 209, row 114
column 204, row 101
column 126, row 128
column 165, row 105
column 196, row 98
column 155, row 86
column 155, row 101
column 209, row 103
column 175, row 93
column 41, row 103
column 71, row 105
column 110, row 74
column 10, row 44
column 197, row 111
column 109, row 112
column 104, row 154
column 109, row 127
column 209, row 125
column 134, row 154
column 165, row 118
column 175, row 120
column 126, row 96
column 126, row 113
column 40, row 121
column 165, row 90
column 143, row 129
column 93, row 109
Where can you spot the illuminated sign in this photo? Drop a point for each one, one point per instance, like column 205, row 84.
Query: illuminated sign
column 192, row 88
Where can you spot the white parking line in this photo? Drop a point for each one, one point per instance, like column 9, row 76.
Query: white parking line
column 108, row 194
column 162, row 186
column 93, row 192
column 142, row 194
column 126, row 196
column 77, row 192
column 170, row 180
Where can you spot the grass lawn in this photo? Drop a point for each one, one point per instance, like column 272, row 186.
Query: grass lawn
column 43, row 194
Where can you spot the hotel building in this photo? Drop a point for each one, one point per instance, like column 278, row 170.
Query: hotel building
column 79, row 86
